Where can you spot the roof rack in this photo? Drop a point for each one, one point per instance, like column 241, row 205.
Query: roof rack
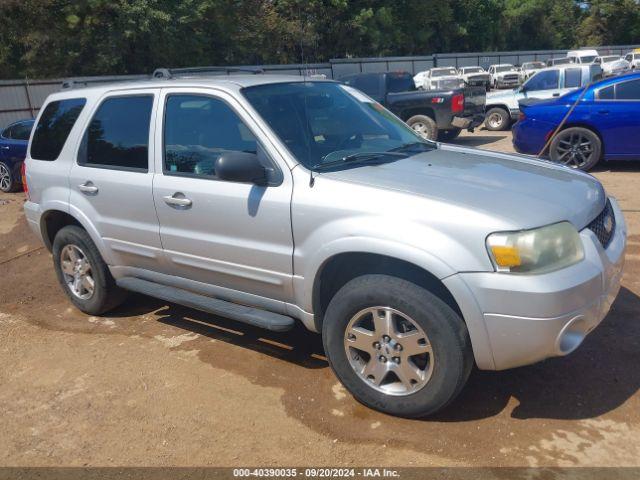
column 168, row 73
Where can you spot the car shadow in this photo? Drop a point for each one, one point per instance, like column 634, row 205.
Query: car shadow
column 597, row 378
column 617, row 166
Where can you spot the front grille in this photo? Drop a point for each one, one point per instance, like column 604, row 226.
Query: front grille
column 510, row 77
column 604, row 225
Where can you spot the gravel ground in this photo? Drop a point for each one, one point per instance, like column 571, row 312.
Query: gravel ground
column 157, row 384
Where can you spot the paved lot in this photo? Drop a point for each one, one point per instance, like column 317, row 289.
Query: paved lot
column 158, row 384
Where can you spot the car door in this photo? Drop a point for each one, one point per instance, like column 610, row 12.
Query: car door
column 234, row 237
column 544, row 84
column 111, row 177
column 14, row 141
column 615, row 113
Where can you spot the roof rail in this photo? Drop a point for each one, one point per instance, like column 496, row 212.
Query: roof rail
column 168, row 73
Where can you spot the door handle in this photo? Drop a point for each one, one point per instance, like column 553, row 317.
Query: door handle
column 88, row 187
column 556, row 94
column 177, row 200
column 603, row 112
column 4, row 147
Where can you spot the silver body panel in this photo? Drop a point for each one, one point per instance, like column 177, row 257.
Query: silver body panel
column 264, row 246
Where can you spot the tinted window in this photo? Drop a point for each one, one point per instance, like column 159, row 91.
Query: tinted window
column 606, row 93
column 118, row 135
column 400, row 82
column 572, row 77
column 198, row 130
column 369, row 84
column 628, row 90
column 18, row 131
column 545, row 80
column 54, row 126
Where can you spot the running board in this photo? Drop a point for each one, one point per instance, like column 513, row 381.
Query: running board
column 241, row 313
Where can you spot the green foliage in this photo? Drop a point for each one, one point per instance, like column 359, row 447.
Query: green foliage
column 59, row 38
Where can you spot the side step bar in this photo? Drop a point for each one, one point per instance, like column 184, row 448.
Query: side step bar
column 252, row 316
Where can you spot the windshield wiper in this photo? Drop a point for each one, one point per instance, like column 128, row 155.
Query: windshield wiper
column 408, row 146
column 358, row 156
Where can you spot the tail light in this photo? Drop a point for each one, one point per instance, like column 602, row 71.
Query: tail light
column 521, row 116
column 457, row 103
column 23, row 174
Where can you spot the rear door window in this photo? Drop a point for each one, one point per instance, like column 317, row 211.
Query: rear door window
column 628, row 90
column 56, row 121
column 545, row 80
column 118, row 135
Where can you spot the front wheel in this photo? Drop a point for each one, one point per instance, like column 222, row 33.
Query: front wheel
column 576, row 147
column 424, row 126
column 395, row 346
column 497, row 119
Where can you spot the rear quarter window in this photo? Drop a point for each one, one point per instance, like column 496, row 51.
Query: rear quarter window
column 56, row 121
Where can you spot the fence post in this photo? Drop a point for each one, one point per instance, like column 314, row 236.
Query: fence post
column 26, row 90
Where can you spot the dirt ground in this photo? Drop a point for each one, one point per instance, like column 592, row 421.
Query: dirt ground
column 157, row 384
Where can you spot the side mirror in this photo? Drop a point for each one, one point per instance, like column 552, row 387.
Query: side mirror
column 241, row 167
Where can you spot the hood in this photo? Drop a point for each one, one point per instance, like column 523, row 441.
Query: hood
column 519, row 191
column 510, row 72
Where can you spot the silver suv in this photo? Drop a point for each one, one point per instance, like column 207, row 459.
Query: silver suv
column 274, row 199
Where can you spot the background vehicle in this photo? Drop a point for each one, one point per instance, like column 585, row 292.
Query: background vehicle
column 503, row 107
column 504, row 75
column 475, row 76
column 438, row 79
column 604, row 125
column 440, row 114
column 634, row 59
column 13, row 148
column 582, row 56
column 612, row 65
column 273, row 199
column 529, row 68
column 559, row 61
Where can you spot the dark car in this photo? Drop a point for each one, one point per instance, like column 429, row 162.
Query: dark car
column 434, row 114
column 13, row 149
column 604, row 125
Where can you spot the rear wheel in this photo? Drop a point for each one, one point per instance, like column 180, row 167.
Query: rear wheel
column 424, row 126
column 497, row 119
column 83, row 274
column 7, row 181
column 447, row 135
column 576, row 147
column 395, row 346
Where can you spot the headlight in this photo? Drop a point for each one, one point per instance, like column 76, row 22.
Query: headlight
column 540, row 250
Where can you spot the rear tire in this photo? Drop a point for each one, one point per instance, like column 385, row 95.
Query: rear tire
column 419, row 322
column 424, row 126
column 576, row 147
column 83, row 274
column 8, row 182
column 497, row 119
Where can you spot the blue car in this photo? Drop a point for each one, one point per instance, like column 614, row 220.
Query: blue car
column 604, row 125
column 13, row 148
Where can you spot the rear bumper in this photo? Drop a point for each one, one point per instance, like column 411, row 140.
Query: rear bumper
column 468, row 122
column 33, row 213
column 528, row 318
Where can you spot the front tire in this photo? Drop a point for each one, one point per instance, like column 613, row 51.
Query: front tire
column 424, row 126
column 497, row 119
column 395, row 346
column 83, row 274
column 576, row 147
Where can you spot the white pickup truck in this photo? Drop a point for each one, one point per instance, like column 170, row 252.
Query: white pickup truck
column 502, row 108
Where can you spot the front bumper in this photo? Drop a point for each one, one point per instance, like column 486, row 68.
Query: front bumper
column 468, row 123
column 527, row 318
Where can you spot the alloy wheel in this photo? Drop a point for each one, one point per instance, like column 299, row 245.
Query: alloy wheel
column 495, row 120
column 77, row 272
column 422, row 130
column 574, row 150
column 389, row 351
column 5, row 178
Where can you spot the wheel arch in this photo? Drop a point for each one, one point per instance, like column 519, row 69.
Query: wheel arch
column 411, row 112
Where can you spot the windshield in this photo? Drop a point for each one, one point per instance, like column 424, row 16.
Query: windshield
column 588, row 58
column 441, row 72
column 505, row 68
column 612, row 58
column 321, row 122
column 534, row 65
column 473, row 70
